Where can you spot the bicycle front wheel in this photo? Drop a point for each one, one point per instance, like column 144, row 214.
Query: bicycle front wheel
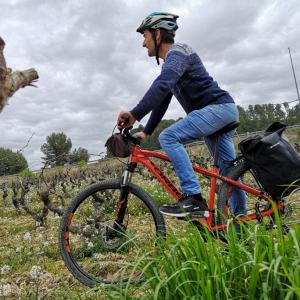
column 92, row 250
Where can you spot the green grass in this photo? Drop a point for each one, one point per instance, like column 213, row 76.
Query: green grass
column 259, row 264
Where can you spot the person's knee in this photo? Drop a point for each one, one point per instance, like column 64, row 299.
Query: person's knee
column 166, row 137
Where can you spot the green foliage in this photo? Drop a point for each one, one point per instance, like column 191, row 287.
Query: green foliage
column 260, row 116
column 81, row 163
column 11, row 162
column 56, row 149
column 79, row 155
column 257, row 264
column 26, row 173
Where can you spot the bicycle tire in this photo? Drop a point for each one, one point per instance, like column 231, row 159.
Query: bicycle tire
column 240, row 170
column 289, row 215
column 79, row 259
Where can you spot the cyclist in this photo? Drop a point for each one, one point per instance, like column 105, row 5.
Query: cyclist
column 208, row 107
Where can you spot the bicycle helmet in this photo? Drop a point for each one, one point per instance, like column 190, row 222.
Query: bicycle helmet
column 159, row 20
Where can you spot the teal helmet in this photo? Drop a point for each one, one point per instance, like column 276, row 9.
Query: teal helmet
column 159, row 20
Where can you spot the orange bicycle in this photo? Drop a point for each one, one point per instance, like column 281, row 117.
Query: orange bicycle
column 105, row 227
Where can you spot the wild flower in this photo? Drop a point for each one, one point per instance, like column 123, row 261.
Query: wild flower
column 5, row 289
column 4, row 269
column 35, row 272
column 19, row 249
column 27, row 236
column 96, row 255
column 40, row 237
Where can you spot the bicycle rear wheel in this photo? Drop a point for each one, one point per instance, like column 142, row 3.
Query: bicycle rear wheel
column 92, row 250
column 289, row 214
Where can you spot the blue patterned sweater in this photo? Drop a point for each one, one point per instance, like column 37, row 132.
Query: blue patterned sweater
column 184, row 76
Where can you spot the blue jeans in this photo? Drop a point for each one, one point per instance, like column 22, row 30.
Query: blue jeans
column 202, row 123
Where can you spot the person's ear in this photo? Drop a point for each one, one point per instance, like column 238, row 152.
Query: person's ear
column 158, row 35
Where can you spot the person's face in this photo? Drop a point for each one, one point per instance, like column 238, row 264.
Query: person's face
column 149, row 43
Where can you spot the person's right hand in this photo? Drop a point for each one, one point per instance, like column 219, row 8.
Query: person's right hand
column 125, row 119
column 141, row 135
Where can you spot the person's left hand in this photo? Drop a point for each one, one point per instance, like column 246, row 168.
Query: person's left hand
column 121, row 119
column 141, row 135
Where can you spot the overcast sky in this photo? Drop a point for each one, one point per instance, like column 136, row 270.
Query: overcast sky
column 92, row 64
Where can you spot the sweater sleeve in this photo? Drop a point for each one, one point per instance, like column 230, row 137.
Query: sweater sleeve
column 157, row 114
column 173, row 68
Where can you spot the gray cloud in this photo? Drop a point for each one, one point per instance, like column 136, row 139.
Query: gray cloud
column 91, row 63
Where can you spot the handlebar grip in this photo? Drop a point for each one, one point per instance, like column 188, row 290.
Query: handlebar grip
column 126, row 119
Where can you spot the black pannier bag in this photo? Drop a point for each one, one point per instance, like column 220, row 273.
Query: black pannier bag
column 118, row 145
column 273, row 160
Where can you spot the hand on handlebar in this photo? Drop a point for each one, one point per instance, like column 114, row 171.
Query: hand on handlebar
column 125, row 120
column 140, row 135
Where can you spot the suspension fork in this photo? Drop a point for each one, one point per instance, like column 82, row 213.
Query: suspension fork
column 124, row 191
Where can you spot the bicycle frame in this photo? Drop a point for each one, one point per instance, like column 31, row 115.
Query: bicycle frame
column 143, row 157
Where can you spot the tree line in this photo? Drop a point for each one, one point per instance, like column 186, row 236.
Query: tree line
column 260, row 116
column 57, row 151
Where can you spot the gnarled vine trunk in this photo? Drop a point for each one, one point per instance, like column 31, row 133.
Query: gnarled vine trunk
column 10, row 81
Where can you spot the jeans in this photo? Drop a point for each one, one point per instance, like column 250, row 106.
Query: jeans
column 202, row 123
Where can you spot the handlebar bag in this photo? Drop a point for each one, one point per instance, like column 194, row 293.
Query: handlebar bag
column 118, row 145
column 274, row 161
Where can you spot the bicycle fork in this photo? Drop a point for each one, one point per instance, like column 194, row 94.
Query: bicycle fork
column 121, row 206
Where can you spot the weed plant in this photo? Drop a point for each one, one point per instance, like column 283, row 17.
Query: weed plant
column 255, row 264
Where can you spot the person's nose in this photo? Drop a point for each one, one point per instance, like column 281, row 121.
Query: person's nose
column 144, row 44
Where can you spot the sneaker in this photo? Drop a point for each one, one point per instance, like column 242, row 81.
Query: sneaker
column 193, row 206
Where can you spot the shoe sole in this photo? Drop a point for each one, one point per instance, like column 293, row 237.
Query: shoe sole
column 187, row 214
column 180, row 215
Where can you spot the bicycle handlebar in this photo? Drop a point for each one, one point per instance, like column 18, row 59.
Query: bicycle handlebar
column 126, row 133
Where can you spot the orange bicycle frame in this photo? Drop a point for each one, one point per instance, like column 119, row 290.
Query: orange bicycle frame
column 141, row 156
